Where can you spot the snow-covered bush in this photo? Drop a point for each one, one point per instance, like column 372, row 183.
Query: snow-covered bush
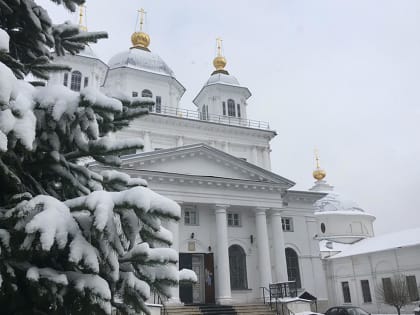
column 72, row 241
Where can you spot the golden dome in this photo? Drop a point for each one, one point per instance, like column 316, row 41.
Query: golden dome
column 219, row 62
column 140, row 40
column 319, row 174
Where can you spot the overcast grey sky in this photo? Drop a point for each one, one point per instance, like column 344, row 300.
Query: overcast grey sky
column 342, row 76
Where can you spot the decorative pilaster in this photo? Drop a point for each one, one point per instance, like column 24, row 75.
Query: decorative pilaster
column 264, row 262
column 280, row 266
column 180, row 141
column 266, row 158
column 173, row 226
column 222, row 280
column 147, row 142
column 254, row 155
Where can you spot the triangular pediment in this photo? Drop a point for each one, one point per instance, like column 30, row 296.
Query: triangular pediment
column 201, row 160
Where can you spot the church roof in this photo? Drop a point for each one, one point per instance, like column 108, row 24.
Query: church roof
column 406, row 238
column 141, row 59
column 258, row 173
column 222, row 78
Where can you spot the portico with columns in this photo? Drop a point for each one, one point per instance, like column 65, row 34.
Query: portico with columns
column 231, row 229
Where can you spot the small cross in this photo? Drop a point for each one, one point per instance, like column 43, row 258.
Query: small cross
column 219, row 46
column 142, row 13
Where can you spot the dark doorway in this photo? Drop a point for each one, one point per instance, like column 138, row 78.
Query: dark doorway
column 203, row 290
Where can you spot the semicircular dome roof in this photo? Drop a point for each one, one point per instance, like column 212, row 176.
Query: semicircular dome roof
column 335, row 202
column 222, row 79
column 88, row 52
column 142, row 60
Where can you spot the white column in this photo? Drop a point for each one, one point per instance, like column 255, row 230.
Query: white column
column 173, row 226
column 147, row 142
column 280, row 266
column 225, row 146
column 222, row 279
column 264, row 262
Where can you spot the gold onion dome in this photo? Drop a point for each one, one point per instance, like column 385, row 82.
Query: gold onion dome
column 219, row 63
column 319, row 174
column 140, row 40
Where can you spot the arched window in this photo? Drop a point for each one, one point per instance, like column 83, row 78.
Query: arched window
column 231, row 108
column 205, row 112
column 237, row 265
column 146, row 93
column 76, row 80
column 292, row 262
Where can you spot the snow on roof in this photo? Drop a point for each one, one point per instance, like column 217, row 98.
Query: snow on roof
column 223, row 79
column 379, row 243
column 142, row 60
column 343, row 212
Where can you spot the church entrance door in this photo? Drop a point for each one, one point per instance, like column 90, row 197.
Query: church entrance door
column 203, row 290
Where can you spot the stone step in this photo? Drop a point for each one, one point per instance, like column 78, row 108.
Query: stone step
column 214, row 309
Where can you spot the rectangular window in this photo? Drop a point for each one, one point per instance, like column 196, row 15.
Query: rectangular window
column 151, row 108
column 287, row 224
column 190, row 216
column 413, row 292
column 224, row 108
column 387, row 288
column 158, row 104
column 346, row 292
column 86, row 81
column 367, row 298
column 135, row 94
column 66, row 79
column 234, row 219
column 239, row 110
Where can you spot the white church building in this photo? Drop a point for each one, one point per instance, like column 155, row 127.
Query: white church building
column 243, row 227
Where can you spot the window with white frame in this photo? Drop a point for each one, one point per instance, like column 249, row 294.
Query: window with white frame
column 190, row 216
column 76, row 81
column 287, row 224
column 367, row 297
column 234, row 219
column 231, row 108
column 413, row 292
column 66, row 79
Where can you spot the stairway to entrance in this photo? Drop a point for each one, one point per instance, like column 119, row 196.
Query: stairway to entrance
column 215, row 309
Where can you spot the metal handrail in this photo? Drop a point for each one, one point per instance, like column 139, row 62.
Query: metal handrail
column 220, row 119
column 157, row 299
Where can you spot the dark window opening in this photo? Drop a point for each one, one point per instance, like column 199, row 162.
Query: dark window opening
column 66, row 79
column 292, row 261
column 346, row 292
column 135, row 94
column 239, row 110
column 146, row 93
column 367, row 298
column 387, row 288
column 322, row 227
column 231, row 108
column 76, row 81
column 413, row 292
column 224, row 108
column 86, row 81
column 237, row 266
column 158, row 104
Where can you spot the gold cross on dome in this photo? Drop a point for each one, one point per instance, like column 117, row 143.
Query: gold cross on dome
column 317, row 158
column 142, row 14
column 81, row 13
column 219, row 46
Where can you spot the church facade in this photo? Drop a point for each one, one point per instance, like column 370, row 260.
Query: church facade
column 242, row 227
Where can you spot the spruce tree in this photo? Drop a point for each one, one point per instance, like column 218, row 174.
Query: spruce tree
column 72, row 240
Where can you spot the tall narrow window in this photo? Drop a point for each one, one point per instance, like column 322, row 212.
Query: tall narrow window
column 367, row 298
column 158, row 104
column 66, row 79
column 292, row 262
column 231, row 108
column 237, row 266
column 387, row 288
column 76, row 80
column 224, row 108
column 238, row 110
column 412, row 288
column 203, row 113
column 287, row 224
column 346, row 292
column 146, row 93
column 86, row 81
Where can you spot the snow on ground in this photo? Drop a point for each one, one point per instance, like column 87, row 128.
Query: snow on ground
column 4, row 41
column 399, row 239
